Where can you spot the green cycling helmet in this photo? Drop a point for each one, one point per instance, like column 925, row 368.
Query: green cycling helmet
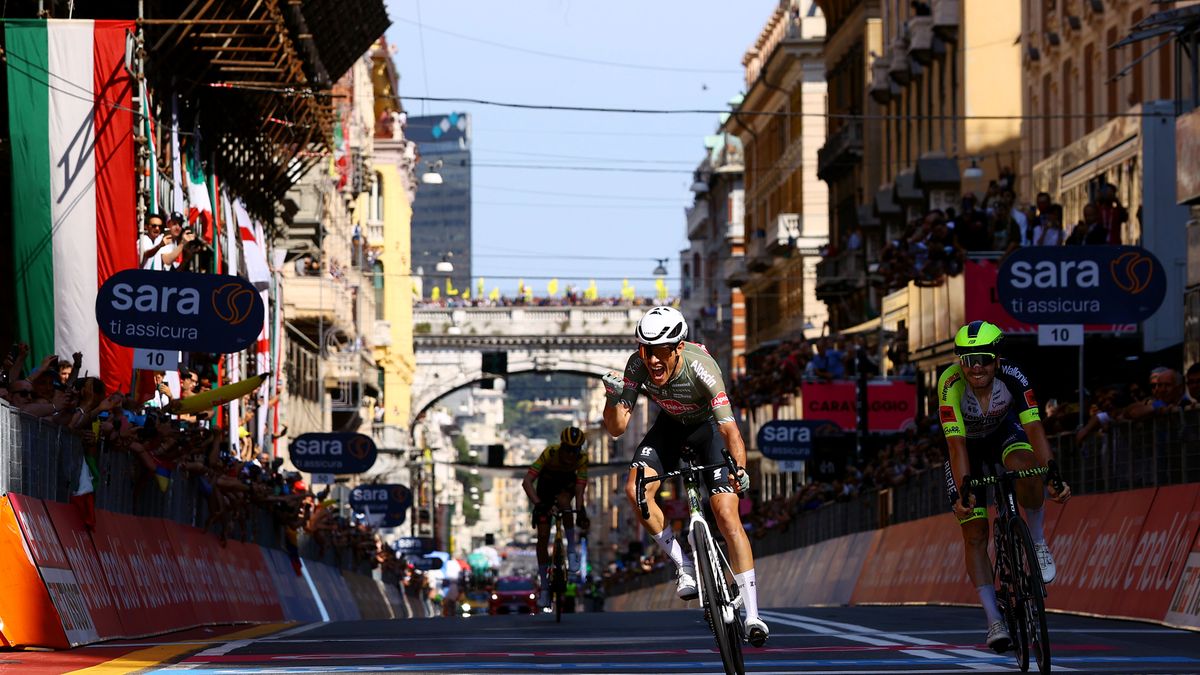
column 978, row 337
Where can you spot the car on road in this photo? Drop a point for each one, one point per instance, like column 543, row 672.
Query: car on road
column 476, row 602
column 513, row 595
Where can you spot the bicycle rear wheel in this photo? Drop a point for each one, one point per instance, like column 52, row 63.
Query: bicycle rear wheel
column 1031, row 610
column 716, row 605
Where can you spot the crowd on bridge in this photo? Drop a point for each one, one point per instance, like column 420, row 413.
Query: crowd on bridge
column 569, row 299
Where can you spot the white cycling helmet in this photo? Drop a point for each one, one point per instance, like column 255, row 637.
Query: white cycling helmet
column 662, row 326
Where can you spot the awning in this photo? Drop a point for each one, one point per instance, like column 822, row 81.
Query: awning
column 906, row 189
column 937, row 172
column 871, row 326
column 885, row 204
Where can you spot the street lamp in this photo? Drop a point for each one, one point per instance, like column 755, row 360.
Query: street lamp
column 973, row 172
column 444, row 266
column 661, row 269
column 432, row 177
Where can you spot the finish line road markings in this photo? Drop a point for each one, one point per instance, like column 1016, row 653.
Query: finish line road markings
column 979, row 660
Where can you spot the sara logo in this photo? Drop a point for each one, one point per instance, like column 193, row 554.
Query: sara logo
column 336, row 453
column 179, row 311
column 360, row 447
column 233, row 303
column 1132, row 272
column 1081, row 284
column 401, row 494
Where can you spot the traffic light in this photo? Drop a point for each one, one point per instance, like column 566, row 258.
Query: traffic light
column 495, row 455
column 495, row 364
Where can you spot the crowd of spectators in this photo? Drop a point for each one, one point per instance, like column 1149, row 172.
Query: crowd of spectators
column 774, row 374
column 568, row 299
column 1170, row 392
column 936, row 245
column 236, row 478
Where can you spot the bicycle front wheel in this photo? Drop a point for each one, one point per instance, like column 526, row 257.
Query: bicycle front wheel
column 1032, row 607
column 716, row 606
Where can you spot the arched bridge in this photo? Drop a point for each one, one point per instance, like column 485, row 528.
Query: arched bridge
column 450, row 343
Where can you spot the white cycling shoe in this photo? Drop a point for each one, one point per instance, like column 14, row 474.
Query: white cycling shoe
column 757, row 632
column 1046, row 562
column 998, row 638
column 685, row 584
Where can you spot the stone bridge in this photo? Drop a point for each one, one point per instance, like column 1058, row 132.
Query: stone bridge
column 450, row 343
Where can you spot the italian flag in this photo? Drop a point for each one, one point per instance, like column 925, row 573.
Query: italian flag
column 71, row 121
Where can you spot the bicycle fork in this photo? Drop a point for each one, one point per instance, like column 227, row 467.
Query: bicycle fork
column 695, row 524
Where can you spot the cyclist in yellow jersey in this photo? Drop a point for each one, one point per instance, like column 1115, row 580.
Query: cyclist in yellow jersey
column 557, row 476
column 990, row 414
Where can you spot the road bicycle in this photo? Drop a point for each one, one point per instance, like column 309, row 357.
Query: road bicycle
column 719, row 594
column 1019, row 588
column 558, row 561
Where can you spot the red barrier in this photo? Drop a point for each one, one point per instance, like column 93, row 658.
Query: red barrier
column 1184, row 608
column 77, row 546
column 1161, row 552
column 55, row 569
column 27, row 614
column 1091, row 545
column 833, row 401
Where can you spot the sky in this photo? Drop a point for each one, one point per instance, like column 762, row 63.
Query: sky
column 537, row 223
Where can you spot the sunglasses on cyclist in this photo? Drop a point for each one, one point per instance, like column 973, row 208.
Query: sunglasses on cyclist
column 663, row 352
column 972, row 360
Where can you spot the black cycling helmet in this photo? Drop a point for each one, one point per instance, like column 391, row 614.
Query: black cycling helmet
column 572, row 438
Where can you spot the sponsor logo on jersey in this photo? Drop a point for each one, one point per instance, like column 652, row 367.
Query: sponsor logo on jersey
column 952, row 430
column 719, row 400
column 1015, row 373
column 950, row 383
column 1029, row 399
column 948, row 415
column 674, row 407
column 702, row 373
column 630, row 384
column 646, row 451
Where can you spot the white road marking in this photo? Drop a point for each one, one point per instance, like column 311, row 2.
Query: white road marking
column 302, row 628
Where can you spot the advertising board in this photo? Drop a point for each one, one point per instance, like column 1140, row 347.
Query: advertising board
column 336, row 453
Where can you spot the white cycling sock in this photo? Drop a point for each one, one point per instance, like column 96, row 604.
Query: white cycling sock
column 666, row 539
column 749, row 590
column 1035, row 518
column 987, row 596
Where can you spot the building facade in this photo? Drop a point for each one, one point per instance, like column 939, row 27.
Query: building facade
column 441, row 226
column 715, row 310
column 786, row 220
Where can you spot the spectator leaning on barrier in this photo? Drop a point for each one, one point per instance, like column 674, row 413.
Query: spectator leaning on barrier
column 1193, row 383
column 1168, row 396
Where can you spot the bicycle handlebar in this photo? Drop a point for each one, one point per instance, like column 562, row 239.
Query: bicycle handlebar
column 643, row 480
column 970, row 483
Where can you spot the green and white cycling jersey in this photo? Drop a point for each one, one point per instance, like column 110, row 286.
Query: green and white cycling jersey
column 696, row 393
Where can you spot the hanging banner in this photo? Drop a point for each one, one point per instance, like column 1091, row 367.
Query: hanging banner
column 833, row 401
column 1081, row 284
column 179, row 311
column 785, row 440
column 891, row 406
column 384, row 505
column 336, row 453
column 414, row 546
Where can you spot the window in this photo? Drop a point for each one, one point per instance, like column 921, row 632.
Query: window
column 1068, row 95
column 1111, row 87
column 1089, row 87
column 375, row 209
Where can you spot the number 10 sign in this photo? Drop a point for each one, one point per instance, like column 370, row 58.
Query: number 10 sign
column 155, row 359
column 1060, row 335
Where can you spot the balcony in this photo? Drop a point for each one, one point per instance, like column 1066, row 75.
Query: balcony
column 945, row 19
column 315, row 299
column 785, row 236
column 842, row 151
column 375, row 233
column 881, row 86
column 840, row 275
column 383, row 333
column 697, row 219
column 921, row 42
column 899, row 67
column 357, row 366
column 734, row 271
